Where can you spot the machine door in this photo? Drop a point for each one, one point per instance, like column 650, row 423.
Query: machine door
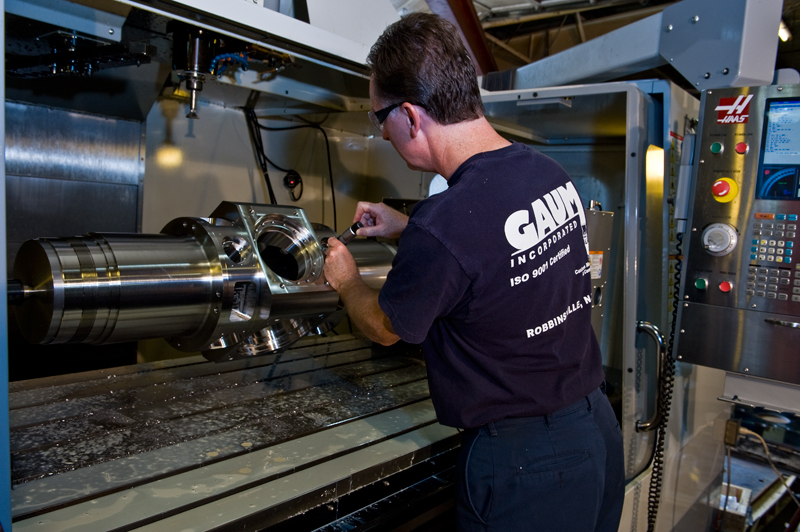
column 599, row 134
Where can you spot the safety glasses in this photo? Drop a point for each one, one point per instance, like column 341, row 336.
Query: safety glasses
column 379, row 117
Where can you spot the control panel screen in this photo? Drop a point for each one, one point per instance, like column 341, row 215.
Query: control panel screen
column 779, row 171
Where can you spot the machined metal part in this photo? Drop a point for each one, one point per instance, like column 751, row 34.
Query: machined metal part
column 247, row 280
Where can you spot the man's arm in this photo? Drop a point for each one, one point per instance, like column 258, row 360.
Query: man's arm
column 360, row 300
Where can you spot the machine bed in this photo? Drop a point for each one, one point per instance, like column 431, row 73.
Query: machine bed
column 189, row 444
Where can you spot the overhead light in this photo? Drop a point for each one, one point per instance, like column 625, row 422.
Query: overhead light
column 784, row 33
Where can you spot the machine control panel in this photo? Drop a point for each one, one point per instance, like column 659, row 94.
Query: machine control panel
column 742, row 274
column 747, row 201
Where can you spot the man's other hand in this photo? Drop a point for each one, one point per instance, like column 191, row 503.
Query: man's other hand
column 379, row 220
column 340, row 266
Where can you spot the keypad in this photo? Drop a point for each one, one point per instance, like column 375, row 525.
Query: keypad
column 773, row 274
column 773, row 242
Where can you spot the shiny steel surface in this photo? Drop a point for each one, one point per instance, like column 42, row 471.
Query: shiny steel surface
column 740, row 330
column 112, row 288
column 68, row 173
column 745, row 341
column 75, row 146
column 248, row 277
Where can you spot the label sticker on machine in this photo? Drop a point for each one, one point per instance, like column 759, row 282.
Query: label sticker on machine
column 596, row 258
column 734, row 110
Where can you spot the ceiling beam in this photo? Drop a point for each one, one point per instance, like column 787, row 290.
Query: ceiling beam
column 520, row 19
column 507, row 48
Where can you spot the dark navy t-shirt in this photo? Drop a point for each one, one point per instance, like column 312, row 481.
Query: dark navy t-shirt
column 492, row 277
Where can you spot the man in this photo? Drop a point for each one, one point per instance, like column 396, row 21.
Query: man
column 492, row 278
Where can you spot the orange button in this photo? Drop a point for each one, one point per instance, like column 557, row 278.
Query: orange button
column 726, row 286
column 720, row 188
column 765, row 216
column 741, row 148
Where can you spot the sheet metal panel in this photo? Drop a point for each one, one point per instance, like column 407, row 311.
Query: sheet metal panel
column 47, row 142
column 70, row 173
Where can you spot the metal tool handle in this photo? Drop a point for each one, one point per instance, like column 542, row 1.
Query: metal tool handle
column 652, row 330
column 350, row 233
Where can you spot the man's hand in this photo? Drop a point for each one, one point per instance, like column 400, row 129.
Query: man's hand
column 360, row 300
column 340, row 266
column 379, row 220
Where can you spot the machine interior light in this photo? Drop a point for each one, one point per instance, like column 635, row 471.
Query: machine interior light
column 654, row 164
column 169, row 156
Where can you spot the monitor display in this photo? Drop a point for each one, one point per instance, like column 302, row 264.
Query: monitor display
column 779, row 172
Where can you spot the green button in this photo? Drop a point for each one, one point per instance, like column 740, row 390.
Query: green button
column 716, row 147
column 701, row 284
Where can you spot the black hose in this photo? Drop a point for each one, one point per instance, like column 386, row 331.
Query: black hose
column 258, row 146
column 318, row 126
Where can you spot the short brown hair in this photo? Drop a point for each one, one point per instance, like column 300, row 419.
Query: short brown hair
column 420, row 59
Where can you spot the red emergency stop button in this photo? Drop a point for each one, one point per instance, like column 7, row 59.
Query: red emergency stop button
column 741, row 148
column 720, row 188
column 724, row 189
column 726, row 286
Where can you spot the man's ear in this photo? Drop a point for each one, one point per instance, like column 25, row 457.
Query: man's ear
column 414, row 119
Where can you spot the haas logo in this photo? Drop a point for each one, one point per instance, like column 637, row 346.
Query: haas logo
column 733, row 110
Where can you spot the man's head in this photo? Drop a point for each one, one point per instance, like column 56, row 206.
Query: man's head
column 420, row 59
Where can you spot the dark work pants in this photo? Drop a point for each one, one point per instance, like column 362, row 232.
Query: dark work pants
column 562, row 472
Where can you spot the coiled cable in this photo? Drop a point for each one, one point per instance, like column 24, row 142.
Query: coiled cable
column 665, row 399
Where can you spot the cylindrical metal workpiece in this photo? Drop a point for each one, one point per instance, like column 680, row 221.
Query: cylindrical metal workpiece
column 113, row 288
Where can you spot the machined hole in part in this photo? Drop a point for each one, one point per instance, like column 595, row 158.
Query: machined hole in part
column 279, row 259
column 236, row 248
column 289, row 250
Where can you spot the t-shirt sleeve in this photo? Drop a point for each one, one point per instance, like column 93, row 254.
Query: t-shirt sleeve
column 426, row 282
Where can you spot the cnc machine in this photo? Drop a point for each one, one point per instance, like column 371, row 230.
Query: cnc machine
column 204, row 151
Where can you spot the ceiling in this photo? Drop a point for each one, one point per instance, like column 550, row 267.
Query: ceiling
column 519, row 32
